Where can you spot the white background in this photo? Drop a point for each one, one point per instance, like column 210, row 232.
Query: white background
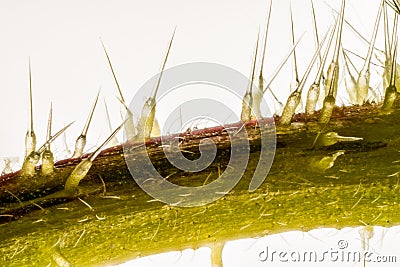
column 69, row 66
